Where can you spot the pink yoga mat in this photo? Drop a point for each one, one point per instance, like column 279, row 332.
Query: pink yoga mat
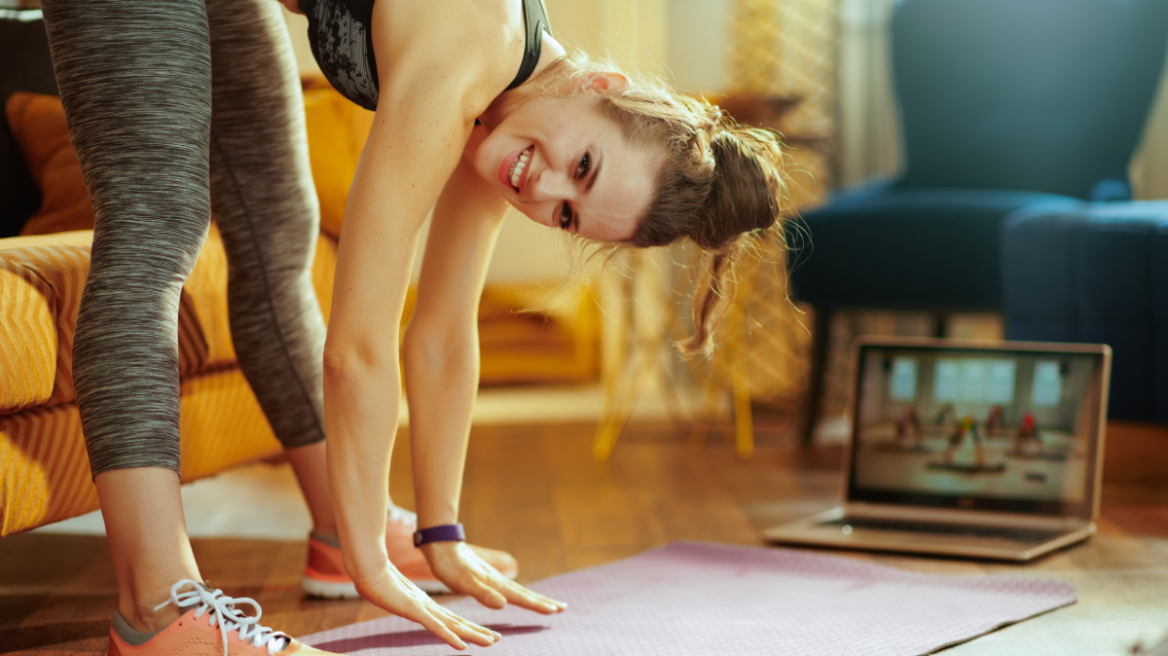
column 699, row 599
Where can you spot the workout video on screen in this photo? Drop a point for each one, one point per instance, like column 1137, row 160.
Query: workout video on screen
column 999, row 425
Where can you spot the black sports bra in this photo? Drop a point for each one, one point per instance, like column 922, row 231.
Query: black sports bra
column 342, row 43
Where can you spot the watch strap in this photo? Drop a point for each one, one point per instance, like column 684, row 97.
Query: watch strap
column 444, row 533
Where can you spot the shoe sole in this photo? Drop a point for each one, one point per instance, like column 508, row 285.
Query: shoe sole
column 337, row 590
column 331, row 590
column 328, row 589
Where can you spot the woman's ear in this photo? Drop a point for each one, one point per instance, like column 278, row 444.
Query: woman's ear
column 602, row 82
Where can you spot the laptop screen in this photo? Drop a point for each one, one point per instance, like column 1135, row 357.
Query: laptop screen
column 978, row 428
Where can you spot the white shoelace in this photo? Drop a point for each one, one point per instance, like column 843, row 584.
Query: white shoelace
column 226, row 616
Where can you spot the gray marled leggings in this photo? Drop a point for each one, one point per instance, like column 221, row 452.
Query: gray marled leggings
column 175, row 107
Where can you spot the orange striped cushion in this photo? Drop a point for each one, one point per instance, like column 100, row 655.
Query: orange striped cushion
column 336, row 132
column 44, row 468
column 28, row 338
column 222, row 425
column 207, row 291
column 55, row 267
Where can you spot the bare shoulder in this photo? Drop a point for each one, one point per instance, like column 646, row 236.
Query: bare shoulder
column 468, row 46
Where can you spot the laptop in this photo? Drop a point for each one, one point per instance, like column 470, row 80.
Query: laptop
column 983, row 449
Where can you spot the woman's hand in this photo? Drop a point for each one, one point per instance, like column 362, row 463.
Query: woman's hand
column 461, row 569
column 390, row 590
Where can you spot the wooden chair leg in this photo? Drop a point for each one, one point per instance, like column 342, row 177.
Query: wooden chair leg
column 743, row 420
column 820, row 338
column 613, row 420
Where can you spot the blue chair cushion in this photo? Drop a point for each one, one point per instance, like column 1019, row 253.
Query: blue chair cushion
column 880, row 246
column 1097, row 274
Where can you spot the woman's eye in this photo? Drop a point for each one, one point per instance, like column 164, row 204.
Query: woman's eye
column 565, row 216
column 583, row 166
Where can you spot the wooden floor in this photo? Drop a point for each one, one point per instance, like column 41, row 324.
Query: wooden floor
column 536, row 492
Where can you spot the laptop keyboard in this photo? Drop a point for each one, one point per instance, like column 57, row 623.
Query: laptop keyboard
column 1023, row 535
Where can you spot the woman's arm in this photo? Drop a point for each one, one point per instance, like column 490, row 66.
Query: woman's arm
column 442, row 375
column 430, row 94
column 420, row 127
column 441, row 343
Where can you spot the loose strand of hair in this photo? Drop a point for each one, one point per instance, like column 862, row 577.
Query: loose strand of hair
column 709, row 303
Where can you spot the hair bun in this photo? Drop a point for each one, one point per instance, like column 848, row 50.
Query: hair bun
column 747, row 187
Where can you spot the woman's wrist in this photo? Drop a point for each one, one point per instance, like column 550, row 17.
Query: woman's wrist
column 362, row 544
column 432, row 513
column 440, row 550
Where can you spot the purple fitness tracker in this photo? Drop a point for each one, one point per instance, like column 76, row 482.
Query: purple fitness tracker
column 444, row 533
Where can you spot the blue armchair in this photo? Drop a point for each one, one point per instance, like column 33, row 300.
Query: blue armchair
column 1099, row 274
column 1005, row 104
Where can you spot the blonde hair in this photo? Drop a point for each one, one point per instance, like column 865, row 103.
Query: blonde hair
column 720, row 184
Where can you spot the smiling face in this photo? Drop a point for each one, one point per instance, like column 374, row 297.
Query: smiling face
column 565, row 164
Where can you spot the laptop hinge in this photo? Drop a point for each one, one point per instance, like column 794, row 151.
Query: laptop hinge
column 958, row 516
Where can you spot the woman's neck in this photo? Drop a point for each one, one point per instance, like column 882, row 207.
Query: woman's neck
column 506, row 102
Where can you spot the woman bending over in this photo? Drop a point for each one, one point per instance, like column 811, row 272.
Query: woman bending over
column 176, row 107
column 592, row 152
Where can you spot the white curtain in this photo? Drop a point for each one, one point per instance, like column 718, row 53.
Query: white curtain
column 869, row 128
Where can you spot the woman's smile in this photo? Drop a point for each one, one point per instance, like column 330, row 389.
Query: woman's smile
column 514, row 169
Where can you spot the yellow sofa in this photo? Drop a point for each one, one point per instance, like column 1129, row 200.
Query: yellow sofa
column 44, row 469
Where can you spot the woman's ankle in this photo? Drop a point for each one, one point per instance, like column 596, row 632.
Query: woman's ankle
column 145, row 618
column 147, row 607
column 331, row 539
column 326, row 529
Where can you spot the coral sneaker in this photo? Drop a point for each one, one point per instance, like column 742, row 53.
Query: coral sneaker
column 213, row 625
column 325, row 574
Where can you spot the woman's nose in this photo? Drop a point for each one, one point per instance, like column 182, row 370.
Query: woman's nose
column 550, row 186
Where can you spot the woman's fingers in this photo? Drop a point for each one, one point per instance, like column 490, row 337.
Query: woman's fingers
column 452, row 623
column 559, row 605
column 465, row 573
column 524, row 598
column 493, row 590
column 480, row 635
column 485, row 594
column 398, row 595
column 453, row 629
column 438, row 627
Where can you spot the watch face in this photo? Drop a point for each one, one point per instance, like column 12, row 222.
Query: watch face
column 418, row 539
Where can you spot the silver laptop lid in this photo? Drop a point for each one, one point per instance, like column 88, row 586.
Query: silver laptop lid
column 1012, row 427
